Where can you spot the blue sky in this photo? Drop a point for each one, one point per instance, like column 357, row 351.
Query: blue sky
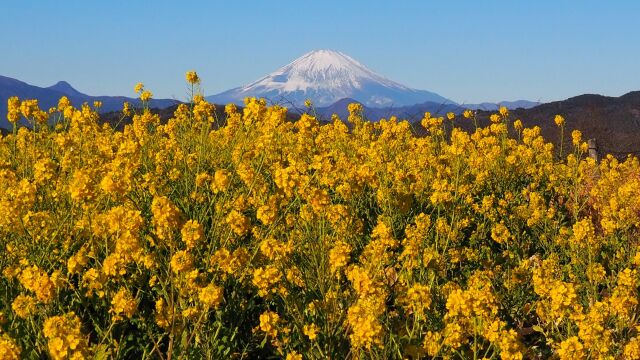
column 468, row 51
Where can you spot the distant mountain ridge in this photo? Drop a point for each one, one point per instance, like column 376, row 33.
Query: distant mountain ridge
column 613, row 121
column 66, row 88
column 411, row 112
column 327, row 76
column 48, row 97
column 488, row 106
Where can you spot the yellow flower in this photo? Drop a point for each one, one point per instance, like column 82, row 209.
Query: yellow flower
column 192, row 77
column 192, row 233
column 139, row 87
column 366, row 330
column 211, row 295
column 77, row 262
column 239, row 223
column 311, row 331
column 166, row 217
column 65, row 338
column 146, row 95
column 126, row 109
column 339, row 256
column 93, row 281
column 559, row 120
column 8, row 348
column 432, row 343
column 500, row 233
column 293, row 356
column 571, row 349
column 63, row 103
column 81, row 186
column 181, row 262
column 636, row 259
column 632, row 349
column 221, row 180
column 13, row 109
column 265, row 279
column 162, row 314
column 595, row 273
column 419, row 298
column 576, row 137
column 24, row 306
column 518, row 125
column 123, row 303
column 37, row 281
column 267, row 214
column 269, row 323
column 29, row 108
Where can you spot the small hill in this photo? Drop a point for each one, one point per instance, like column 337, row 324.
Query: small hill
column 48, row 97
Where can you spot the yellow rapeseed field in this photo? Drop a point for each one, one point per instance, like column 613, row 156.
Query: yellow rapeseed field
column 251, row 236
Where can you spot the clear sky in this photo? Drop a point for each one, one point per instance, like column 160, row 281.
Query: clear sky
column 468, row 51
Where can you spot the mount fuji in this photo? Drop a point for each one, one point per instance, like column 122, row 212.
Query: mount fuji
column 324, row 77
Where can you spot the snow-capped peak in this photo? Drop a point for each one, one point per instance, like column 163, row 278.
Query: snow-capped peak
column 326, row 76
column 321, row 70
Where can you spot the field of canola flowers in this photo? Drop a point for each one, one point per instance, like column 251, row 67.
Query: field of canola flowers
column 255, row 237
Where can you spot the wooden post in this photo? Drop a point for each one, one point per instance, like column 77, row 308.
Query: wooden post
column 593, row 149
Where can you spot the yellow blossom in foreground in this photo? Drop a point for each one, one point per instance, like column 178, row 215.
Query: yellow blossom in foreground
column 192, row 77
column 269, row 322
column 23, row 306
column 366, row 330
column 239, row 223
column 8, row 348
column 123, row 304
column 571, row 349
column 211, row 295
column 293, row 356
column 13, row 109
column 339, row 256
column 265, row 279
column 181, row 262
column 311, row 331
column 64, row 336
column 146, row 95
column 192, row 233
column 632, row 349
column 258, row 234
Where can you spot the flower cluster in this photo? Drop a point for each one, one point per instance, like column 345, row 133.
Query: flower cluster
column 243, row 234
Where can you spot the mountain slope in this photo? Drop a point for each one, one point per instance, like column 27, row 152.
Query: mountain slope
column 524, row 104
column 409, row 112
column 613, row 121
column 326, row 76
column 66, row 88
column 48, row 97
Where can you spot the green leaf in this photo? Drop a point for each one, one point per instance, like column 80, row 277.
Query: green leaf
column 101, row 352
column 537, row 328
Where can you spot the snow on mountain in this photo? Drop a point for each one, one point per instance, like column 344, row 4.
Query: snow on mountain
column 326, row 76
